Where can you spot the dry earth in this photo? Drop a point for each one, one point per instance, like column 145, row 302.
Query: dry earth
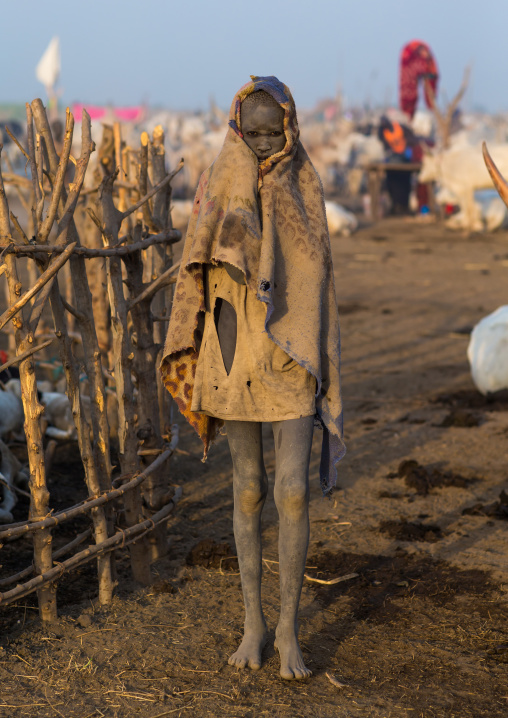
column 419, row 631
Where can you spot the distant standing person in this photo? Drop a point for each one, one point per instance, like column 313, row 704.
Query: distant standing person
column 398, row 143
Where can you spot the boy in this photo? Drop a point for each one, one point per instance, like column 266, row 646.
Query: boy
column 254, row 337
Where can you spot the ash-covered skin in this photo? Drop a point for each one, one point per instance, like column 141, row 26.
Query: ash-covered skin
column 263, row 129
column 293, row 443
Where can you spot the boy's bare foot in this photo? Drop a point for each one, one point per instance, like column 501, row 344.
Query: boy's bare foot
column 249, row 651
column 291, row 660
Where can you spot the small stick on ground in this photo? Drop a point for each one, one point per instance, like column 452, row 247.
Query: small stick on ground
column 331, row 581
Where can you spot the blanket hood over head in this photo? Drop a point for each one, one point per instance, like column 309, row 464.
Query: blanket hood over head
column 268, row 220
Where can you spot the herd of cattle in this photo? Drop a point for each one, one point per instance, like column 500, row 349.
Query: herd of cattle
column 342, row 149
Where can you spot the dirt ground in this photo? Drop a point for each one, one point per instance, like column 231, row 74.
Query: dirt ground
column 418, row 630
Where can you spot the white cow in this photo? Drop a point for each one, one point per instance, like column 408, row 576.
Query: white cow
column 462, row 171
column 58, row 414
column 57, row 411
column 340, row 221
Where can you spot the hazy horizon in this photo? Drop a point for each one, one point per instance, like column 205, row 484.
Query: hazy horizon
column 179, row 55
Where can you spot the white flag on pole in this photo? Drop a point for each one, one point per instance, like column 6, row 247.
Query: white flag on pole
column 48, row 69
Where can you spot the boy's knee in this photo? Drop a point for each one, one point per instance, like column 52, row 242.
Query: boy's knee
column 250, row 493
column 251, row 499
column 292, row 499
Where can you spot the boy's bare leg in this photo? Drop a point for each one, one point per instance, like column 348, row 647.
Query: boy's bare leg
column 250, row 486
column 293, row 442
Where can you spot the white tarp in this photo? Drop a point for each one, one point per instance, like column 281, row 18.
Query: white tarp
column 48, row 69
column 488, row 352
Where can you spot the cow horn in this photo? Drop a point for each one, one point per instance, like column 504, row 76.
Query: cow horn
column 499, row 182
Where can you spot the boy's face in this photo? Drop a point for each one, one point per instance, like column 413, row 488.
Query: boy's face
column 263, row 129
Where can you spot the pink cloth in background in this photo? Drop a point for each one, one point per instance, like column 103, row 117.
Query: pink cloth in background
column 128, row 114
column 96, row 113
column 125, row 114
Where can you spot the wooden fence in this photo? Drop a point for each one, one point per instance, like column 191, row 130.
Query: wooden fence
column 113, row 220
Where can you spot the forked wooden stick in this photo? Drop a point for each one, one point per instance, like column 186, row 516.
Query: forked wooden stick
column 39, row 504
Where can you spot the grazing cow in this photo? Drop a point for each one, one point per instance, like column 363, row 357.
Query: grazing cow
column 11, row 476
column 462, row 171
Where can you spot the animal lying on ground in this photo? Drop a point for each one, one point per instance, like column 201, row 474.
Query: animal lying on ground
column 11, row 476
column 340, row 221
column 462, row 171
column 58, row 414
column 57, row 411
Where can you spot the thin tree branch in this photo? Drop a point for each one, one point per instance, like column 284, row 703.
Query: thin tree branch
column 58, row 184
column 32, row 157
column 169, row 236
column 17, row 179
column 80, row 317
column 45, row 277
column 17, row 143
column 153, row 191
column 56, row 555
column 153, row 287
column 18, row 227
column 38, row 306
column 88, row 146
column 27, row 353
column 458, row 97
column 24, row 528
column 121, row 538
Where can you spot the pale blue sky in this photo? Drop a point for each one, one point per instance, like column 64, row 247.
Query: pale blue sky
column 177, row 54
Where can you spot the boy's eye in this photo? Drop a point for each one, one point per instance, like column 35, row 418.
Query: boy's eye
column 276, row 133
column 252, row 134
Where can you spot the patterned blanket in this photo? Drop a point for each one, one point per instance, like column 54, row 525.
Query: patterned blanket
column 269, row 221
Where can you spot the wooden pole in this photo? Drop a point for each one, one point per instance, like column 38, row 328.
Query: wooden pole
column 95, row 459
column 67, row 232
column 39, row 502
column 147, row 346
column 111, row 220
